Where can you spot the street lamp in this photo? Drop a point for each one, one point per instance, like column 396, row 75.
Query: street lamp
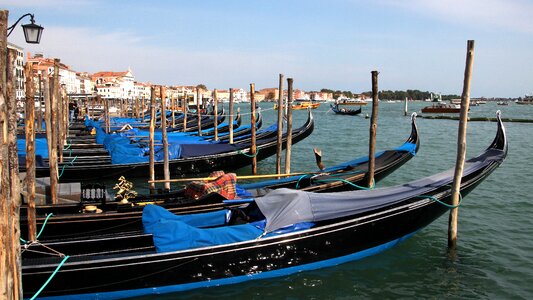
column 32, row 31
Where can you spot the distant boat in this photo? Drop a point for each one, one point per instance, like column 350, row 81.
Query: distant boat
column 442, row 108
column 302, row 105
column 502, row 103
column 527, row 100
column 351, row 102
column 344, row 111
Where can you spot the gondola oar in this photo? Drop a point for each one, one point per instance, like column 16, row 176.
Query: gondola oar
column 238, row 177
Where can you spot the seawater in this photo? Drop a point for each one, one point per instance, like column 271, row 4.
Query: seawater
column 494, row 259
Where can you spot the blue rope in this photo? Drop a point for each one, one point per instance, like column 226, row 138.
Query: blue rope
column 299, row 179
column 40, row 231
column 256, row 153
column 44, row 224
column 347, row 182
column 50, row 278
column 70, row 163
column 440, row 202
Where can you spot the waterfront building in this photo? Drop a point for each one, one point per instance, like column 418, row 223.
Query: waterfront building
column 114, row 85
column 240, row 95
column 67, row 76
column 84, row 84
column 141, row 90
column 19, row 72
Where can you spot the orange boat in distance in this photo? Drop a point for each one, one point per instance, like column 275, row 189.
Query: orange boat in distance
column 302, row 105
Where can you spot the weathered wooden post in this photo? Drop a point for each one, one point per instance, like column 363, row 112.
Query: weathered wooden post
column 106, row 115
column 52, row 157
column 215, row 112
column 198, row 110
column 142, row 108
column 288, row 150
column 14, row 181
column 231, row 115
column 173, row 105
column 253, row 148
column 6, row 226
column 185, row 110
column 48, row 113
column 279, row 148
column 62, row 122
column 461, row 147
column 40, row 114
column 373, row 130
column 30, row 153
column 166, row 167
column 151, row 140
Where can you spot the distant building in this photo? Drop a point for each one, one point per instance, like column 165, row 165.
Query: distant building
column 320, row 96
column 240, row 95
column 142, row 90
column 114, row 85
column 45, row 66
column 84, row 84
column 19, row 72
column 269, row 93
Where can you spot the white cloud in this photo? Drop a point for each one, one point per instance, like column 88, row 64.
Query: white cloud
column 44, row 3
column 514, row 15
column 87, row 50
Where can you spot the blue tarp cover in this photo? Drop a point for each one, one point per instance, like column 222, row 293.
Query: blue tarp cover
column 172, row 232
column 179, row 232
column 41, row 147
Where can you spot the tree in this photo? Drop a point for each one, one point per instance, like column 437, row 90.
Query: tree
column 202, row 87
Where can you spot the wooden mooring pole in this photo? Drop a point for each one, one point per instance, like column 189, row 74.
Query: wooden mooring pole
column 185, row 110
column 253, row 148
column 40, row 113
column 166, row 166
column 151, row 140
column 30, row 153
column 231, row 115
column 6, row 230
column 373, row 130
column 279, row 148
column 52, row 161
column 199, row 110
column 10, row 269
column 173, row 107
column 215, row 112
column 461, row 147
column 288, row 150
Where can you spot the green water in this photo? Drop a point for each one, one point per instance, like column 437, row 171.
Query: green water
column 495, row 252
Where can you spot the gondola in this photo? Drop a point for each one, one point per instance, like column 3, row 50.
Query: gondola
column 292, row 231
column 345, row 111
column 68, row 222
column 195, row 159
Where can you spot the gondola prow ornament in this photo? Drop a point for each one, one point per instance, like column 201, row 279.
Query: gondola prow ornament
column 125, row 190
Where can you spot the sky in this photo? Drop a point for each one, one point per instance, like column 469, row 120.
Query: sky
column 334, row 44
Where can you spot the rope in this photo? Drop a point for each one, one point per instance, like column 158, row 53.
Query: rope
column 440, row 202
column 347, row 182
column 40, row 231
column 247, row 155
column 69, row 163
column 50, row 278
column 44, row 224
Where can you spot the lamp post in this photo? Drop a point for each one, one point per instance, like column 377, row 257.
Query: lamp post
column 32, row 31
